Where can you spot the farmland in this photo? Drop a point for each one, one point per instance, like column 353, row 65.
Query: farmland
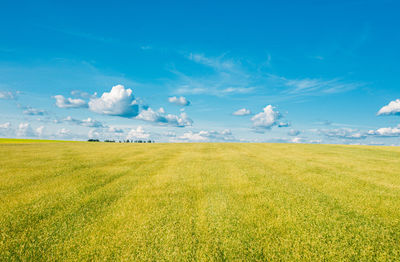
column 201, row 201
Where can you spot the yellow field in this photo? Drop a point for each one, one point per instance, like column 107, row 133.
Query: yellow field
column 27, row 141
column 207, row 202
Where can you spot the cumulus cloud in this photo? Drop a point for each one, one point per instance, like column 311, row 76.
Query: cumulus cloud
column 93, row 134
column 25, row 130
column 118, row 102
column 5, row 129
column 207, row 136
column 393, row 108
column 138, row 133
column 386, row 132
column 161, row 118
column 266, row 119
column 89, row 122
column 343, row 133
column 39, row 131
column 181, row 101
column 191, row 136
column 34, row 111
column 63, row 102
column 242, row 112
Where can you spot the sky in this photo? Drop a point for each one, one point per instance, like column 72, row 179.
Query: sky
column 201, row 71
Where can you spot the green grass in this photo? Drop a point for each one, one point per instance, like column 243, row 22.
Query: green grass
column 205, row 202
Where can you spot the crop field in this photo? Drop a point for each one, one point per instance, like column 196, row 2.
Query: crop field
column 198, row 202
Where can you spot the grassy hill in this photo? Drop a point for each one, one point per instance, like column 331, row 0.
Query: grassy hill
column 183, row 202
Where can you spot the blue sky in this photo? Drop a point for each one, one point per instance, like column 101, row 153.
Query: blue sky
column 181, row 71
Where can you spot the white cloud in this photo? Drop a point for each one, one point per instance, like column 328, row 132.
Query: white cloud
column 138, row 133
column 159, row 117
column 24, row 130
column 297, row 140
column 386, row 132
column 6, row 130
column 39, row 131
column 118, row 102
column 237, row 76
column 283, row 124
column 82, row 94
column 242, row 112
column 34, row 111
column 114, row 129
column 393, row 108
column 266, row 119
column 294, row 132
column 227, row 78
column 190, row 136
column 343, row 133
column 169, row 134
column 310, row 86
column 237, row 90
column 6, row 125
column 181, row 101
column 89, row 122
column 63, row 102
column 63, row 132
column 6, row 95
column 218, row 63
column 93, row 134
column 207, row 136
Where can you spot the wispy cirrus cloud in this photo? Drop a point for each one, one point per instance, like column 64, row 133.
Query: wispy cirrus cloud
column 313, row 86
column 228, row 76
column 218, row 63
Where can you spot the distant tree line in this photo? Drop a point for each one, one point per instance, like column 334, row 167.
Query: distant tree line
column 122, row 141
